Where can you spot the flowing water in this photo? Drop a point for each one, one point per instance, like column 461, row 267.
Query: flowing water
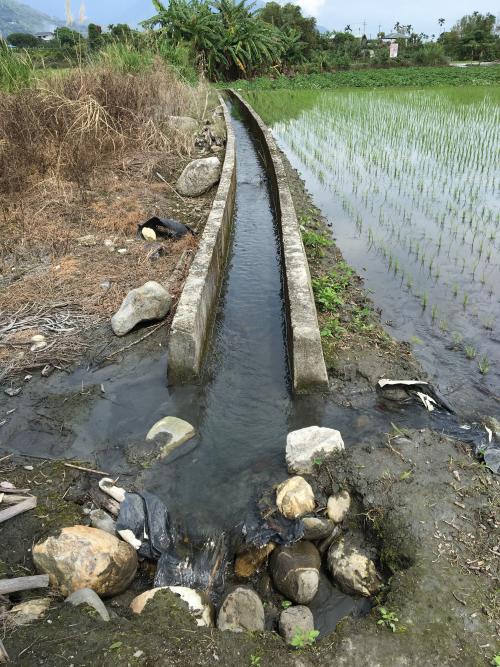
column 410, row 182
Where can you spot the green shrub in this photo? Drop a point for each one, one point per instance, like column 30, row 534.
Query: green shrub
column 16, row 69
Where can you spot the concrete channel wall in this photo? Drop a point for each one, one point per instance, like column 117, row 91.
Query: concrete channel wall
column 308, row 367
column 192, row 323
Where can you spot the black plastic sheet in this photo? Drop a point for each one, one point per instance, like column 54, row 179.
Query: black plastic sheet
column 148, row 518
column 166, row 227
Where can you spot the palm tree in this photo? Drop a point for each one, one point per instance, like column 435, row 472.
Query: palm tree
column 348, row 28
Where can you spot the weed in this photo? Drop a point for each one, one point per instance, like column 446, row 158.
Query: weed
column 332, row 329
column 389, row 620
column 304, row 638
column 286, row 603
column 255, row 660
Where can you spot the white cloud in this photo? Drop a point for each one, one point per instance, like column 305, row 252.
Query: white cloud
column 311, row 7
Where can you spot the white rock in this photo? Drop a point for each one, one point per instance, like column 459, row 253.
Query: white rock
column 149, row 302
column 27, row 612
column 199, row 176
column 307, row 444
column 176, row 431
column 107, row 485
column 148, row 234
column 198, row 603
column 338, row 506
column 295, row 497
column 352, row 570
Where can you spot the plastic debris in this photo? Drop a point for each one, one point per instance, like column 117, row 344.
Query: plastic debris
column 144, row 517
column 426, row 393
column 166, row 227
column 107, row 485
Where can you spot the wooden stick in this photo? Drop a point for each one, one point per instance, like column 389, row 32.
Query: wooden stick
column 4, row 656
column 23, row 583
column 6, row 499
column 13, row 511
column 90, row 470
column 4, row 489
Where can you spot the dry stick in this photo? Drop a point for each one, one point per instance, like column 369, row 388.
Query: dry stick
column 10, row 512
column 139, row 340
column 8, row 586
column 6, row 457
column 4, row 656
column 172, row 188
column 10, row 500
column 90, row 470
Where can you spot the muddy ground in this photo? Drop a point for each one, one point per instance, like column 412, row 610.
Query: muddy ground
column 427, row 507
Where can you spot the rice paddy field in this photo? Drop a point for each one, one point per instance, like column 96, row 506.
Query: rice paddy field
column 409, row 180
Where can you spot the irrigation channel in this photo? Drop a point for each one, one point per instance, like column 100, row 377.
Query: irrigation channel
column 242, row 409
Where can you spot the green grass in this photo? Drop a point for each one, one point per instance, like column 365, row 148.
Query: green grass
column 381, row 78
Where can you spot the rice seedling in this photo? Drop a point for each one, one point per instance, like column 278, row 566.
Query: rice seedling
column 470, row 351
column 484, row 365
column 415, row 173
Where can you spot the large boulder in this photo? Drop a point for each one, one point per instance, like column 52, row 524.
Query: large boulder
column 295, row 497
column 338, row 506
column 241, row 611
column 295, row 621
column 307, row 445
column 353, row 570
column 198, row 604
column 295, row 571
column 146, row 303
column 199, row 176
column 83, row 557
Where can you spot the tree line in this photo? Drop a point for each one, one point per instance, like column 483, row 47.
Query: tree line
column 228, row 39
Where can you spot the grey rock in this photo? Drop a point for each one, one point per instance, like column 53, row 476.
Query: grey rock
column 241, row 611
column 199, row 176
column 184, row 124
column 149, row 302
column 295, row 571
column 100, row 519
column 295, row 620
column 316, row 528
column 90, row 597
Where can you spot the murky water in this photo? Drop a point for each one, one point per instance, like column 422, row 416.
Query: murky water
column 410, row 182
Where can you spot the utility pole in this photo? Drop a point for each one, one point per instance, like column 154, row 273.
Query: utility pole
column 364, row 27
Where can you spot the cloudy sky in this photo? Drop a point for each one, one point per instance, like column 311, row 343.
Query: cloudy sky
column 421, row 14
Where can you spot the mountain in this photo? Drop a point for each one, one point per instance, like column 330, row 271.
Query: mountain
column 17, row 17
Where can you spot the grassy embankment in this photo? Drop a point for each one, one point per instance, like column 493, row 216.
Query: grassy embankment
column 79, row 154
column 381, row 78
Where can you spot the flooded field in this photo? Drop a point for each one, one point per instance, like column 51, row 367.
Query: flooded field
column 409, row 180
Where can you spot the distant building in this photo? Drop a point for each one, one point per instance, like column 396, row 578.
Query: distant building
column 394, row 35
column 44, row 36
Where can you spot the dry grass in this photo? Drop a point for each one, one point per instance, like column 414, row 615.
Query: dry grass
column 66, row 127
column 78, row 157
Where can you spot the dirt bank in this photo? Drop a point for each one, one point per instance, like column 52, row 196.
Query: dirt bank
column 358, row 351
